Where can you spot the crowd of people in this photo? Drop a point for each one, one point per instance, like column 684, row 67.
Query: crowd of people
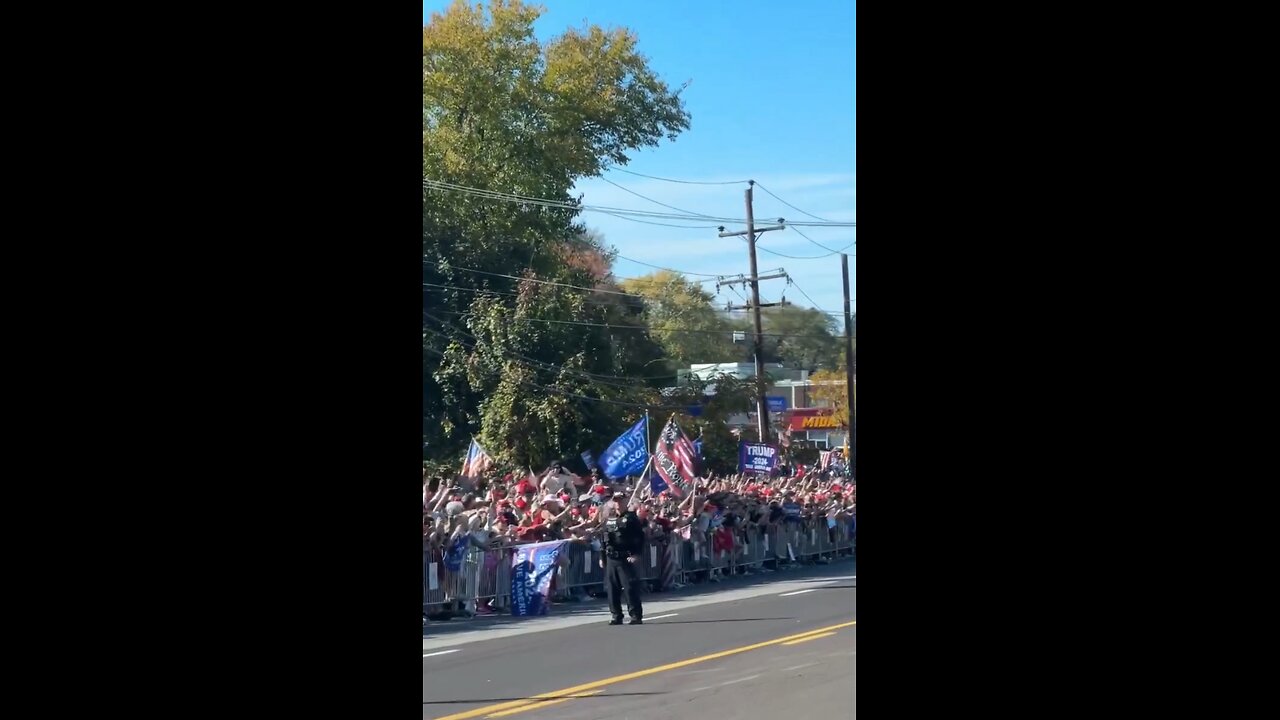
column 493, row 511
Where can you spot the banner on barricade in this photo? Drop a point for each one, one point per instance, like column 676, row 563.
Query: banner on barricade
column 628, row 454
column 760, row 458
column 532, row 567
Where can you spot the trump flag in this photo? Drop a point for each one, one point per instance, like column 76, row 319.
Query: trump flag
column 673, row 458
column 627, row 455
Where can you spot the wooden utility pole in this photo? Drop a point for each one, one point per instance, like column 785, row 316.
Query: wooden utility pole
column 848, row 357
column 762, row 405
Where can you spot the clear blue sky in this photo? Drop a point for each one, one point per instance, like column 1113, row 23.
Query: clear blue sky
column 773, row 99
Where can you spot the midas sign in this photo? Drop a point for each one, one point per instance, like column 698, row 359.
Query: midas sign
column 814, row 422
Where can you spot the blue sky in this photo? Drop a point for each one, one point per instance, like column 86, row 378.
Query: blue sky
column 773, row 99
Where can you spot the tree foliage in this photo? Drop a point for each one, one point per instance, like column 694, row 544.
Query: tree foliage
column 802, row 338
column 684, row 322
column 830, row 388
column 506, row 358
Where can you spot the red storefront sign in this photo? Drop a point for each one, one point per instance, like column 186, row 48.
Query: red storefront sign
column 812, row 419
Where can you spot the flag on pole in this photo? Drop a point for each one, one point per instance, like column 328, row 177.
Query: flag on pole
column 477, row 461
column 627, row 455
column 673, row 458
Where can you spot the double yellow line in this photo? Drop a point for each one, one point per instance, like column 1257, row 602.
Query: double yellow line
column 559, row 696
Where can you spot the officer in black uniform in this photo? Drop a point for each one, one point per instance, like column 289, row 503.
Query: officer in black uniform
column 623, row 542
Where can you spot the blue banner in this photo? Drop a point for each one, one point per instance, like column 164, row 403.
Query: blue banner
column 656, row 483
column 777, row 403
column 757, row 458
column 588, row 459
column 628, row 454
column 532, row 568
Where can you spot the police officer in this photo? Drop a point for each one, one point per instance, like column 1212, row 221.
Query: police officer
column 623, row 542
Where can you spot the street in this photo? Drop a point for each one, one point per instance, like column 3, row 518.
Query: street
column 767, row 650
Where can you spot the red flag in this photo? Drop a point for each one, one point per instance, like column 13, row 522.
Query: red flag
column 673, row 458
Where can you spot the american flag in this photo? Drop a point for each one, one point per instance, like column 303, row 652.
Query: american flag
column 673, row 458
column 477, row 461
column 825, row 461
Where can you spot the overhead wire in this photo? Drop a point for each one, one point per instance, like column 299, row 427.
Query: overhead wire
column 560, row 391
column 682, row 182
column 529, row 359
column 650, row 328
column 630, row 383
column 546, row 282
column 807, row 257
column 563, row 205
column 655, row 202
column 793, row 207
column 682, row 272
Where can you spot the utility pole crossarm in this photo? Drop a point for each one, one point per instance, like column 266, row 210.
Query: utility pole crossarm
column 752, row 231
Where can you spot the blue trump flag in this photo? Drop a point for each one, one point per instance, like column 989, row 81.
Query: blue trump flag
column 628, row 454
column 531, row 569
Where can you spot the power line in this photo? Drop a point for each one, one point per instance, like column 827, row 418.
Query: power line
column 682, row 182
column 649, row 328
column 793, row 207
column 533, row 364
column 565, row 205
column 815, row 242
column 547, row 282
column 645, row 197
column 562, row 205
column 511, row 294
column 808, row 257
column 559, row 391
column 682, row 272
column 802, row 292
column 647, row 222
column 529, row 359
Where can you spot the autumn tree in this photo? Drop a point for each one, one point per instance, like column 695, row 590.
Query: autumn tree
column 681, row 318
column 829, row 388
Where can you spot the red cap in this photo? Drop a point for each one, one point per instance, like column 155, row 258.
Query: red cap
column 520, row 503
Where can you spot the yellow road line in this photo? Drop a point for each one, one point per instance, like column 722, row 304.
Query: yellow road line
column 539, row 706
column 807, row 639
column 492, row 709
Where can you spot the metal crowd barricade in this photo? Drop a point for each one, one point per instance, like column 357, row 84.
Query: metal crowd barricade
column 485, row 575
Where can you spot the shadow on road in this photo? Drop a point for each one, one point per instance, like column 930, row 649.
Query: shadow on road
column 536, row 700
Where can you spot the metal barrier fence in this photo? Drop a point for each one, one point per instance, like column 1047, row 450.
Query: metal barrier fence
column 484, row 576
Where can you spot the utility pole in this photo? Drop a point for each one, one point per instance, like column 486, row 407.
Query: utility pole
column 762, row 406
column 848, row 356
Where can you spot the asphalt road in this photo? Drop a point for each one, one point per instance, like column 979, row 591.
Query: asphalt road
column 730, row 660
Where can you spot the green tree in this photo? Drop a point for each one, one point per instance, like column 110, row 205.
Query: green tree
column 800, row 337
column 506, row 115
column 719, row 397
column 684, row 321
